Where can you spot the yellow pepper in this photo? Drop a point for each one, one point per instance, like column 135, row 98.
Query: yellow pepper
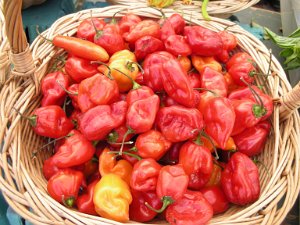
column 112, row 198
column 200, row 62
column 108, row 164
column 123, row 54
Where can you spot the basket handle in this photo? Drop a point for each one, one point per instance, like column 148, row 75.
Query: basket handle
column 290, row 102
column 19, row 48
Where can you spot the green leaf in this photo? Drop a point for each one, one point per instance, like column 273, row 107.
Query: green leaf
column 286, row 52
column 295, row 34
column 293, row 64
column 282, row 42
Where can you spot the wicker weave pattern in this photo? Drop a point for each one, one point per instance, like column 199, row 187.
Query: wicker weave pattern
column 24, row 186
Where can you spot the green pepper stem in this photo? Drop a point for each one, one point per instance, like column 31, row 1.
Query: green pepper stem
column 62, row 87
column 126, row 153
column 120, row 143
column 256, row 161
column 167, row 200
column 133, row 149
column 98, row 32
column 113, row 20
column 129, row 131
column 38, row 32
column 32, row 119
column 198, row 140
column 69, row 202
column 109, row 69
column 204, row 10
column 135, row 85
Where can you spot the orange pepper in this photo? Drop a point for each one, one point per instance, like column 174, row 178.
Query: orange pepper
column 108, row 164
column 185, row 62
column 200, row 62
column 112, row 198
column 230, row 83
column 123, row 54
column 215, row 177
column 230, row 145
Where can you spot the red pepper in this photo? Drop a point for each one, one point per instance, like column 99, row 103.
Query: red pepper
column 96, row 123
column 191, row 209
column 53, row 93
column 153, row 69
column 238, row 58
column 166, row 30
column 127, row 21
column 240, row 180
column 147, row 45
column 229, row 43
column 152, row 144
column 176, row 83
column 178, row 23
column 90, row 167
column 167, row 101
column 177, row 45
column 243, row 70
column 116, row 136
column 85, row 202
column 197, row 161
column 86, row 29
column 251, row 141
column 49, row 168
column 194, row 79
column 178, row 123
column 172, row 155
column 143, row 28
column 75, row 150
column 216, row 198
column 73, row 94
column 214, row 81
column 79, row 69
column 110, row 39
column 64, row 186
column 202, row 41
column 50, row 121
column 141, row 114
column 138, row 94
column 144, row 175
column 97, row 90
column 138, row 211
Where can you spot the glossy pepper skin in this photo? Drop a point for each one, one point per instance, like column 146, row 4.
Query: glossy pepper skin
column 138, row 211
column 141, row 114
column 142, row 92
column 238, row 58
column 144, row 175
column 219, row 117
column 176, row 83
column 191, row 209
column 112, row 198
column 108, row 164
column 79, row 69
column 85, row 202
column 75, row 151
column 152, row 144
column 240, row 180
column 200, row 62
column 147, row 45
column 123, row 54
column 243, row 70
column 50, row 121
column 166, row 30
column 177, row 22
column 178, row 123
column 177, row 45
column 53, row 93
column 202, row 41
column 97, row 90
column 251, row 141
column 96, row 123
column 86, row 29
column 127, row 21
column 215, row 177
column 49, row 168
column 64, row 186
column 229, row 43
column 197, row 161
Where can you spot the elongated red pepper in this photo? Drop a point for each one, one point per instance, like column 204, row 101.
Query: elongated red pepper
column 86, row 29
column 53, row 93
column 85, row 202
column 64, row 186
column 176, row 83
column 50, row 121
column 144, row 175
column 152, row 144
column 202, row 41
column 178, row 123
column 97, row 90
column 191, row 209
column 127, row 21
column 81, row 48
column 96, row 123
column 177, row 45
column 147, row 45
column 79, row 69
column 240, row 180
column 75, row 150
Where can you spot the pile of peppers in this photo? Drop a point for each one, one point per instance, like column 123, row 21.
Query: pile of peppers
column 152, row 118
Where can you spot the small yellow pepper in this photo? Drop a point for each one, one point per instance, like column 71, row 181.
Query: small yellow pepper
column 112, row 198
column 123, row 54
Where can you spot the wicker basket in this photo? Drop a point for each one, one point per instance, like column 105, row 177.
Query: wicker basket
column 219, row 8
column 22, row 182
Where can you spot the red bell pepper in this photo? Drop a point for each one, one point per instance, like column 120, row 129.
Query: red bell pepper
column 86, row 29
column 191, row 209
column 177, row 45
column 147, row 45
column 53, row 93
column 127, row 21
column 96, row 123
column 216, row 198
column 178, row 123
column 152, row 144
column 50, row 121
column 64, row 186
column 97, row 90
column 85, row 202
column 240, row 180
column 219, row 117
column 251, row 141
column 144, row 175
column 176, row 83
column 202, row 41
column 79, row 69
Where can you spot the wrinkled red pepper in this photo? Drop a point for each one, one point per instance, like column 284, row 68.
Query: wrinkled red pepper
column 137, row 94
column 127, row 21
column 85, row 202
column 243, row 70
column 178, row 23
column 166, row 30
column 49, row 168
column 229, row 43
column 147, row 45
column 73, row 94
column 177, row 45
column 86, row 29
column 238, row 58
column 194, row 79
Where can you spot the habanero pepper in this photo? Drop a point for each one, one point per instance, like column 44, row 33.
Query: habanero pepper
column 52, row 86
column 112, row 198
column 123, row 54
column 49, row 168
column 238, row 58
column 147, row 45
column 141, row 92
column 185, row 63
column 215, row 177
column 229, row 43
column 243, row 70
column 96, row 123
column 85, row 202
column 166, row 30
column 194, row 79
column 86, row 29
column 127, row 21
column 200, row 62
column 177, row 45
column 240, row 180
column 116, row 136
column 177, row 22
